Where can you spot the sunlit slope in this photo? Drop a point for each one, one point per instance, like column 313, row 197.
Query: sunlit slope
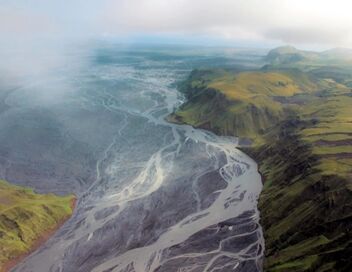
column 301, row 125
column 243, row 104
column 26, row 217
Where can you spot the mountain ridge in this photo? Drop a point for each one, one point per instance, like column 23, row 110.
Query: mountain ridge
column 302, row 154
column 288, row 55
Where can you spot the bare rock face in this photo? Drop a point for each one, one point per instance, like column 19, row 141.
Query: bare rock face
column 152, row 196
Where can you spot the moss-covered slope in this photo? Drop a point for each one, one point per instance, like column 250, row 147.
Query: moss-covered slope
column 244, row 104
column 301, row 127
column 306, row 205
column 25, row 218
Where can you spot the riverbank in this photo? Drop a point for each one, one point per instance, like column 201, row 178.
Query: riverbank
column 28, row 220
column 298, row 125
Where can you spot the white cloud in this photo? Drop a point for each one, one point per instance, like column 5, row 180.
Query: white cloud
column 320, row 22
column 35, row 34
column 20, row 22
column 324, row 23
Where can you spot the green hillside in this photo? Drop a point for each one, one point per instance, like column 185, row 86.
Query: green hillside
column 300, row 124
column 244, row 104
column 25, row 218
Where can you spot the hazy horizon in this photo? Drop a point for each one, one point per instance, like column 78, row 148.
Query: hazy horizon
column 36, row 36
column 39, row 37
column 307, row 25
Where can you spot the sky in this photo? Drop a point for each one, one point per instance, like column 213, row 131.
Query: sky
column 35, row 34
column 255, row 23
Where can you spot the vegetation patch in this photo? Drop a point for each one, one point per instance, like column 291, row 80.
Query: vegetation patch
column 300, row 124
column 26, row 218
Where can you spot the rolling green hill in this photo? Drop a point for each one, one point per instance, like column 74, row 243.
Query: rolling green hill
column 300, row 125
column 244, row 104
column 26, row 218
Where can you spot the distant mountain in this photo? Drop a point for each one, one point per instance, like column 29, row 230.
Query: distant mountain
column 338, row 53
column 288, row 55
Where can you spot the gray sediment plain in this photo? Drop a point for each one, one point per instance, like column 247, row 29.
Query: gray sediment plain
column 152, row 196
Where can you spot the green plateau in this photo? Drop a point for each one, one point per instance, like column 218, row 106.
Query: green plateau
column 294, row 116
column 26, row 217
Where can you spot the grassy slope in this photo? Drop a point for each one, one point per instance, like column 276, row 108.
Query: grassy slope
column 302, row 131
column 25, row 217
column 242, row 104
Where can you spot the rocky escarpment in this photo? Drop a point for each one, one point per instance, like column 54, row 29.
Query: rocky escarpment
column 305, row 213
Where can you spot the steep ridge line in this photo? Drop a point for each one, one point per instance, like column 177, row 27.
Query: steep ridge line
column 306, row 202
